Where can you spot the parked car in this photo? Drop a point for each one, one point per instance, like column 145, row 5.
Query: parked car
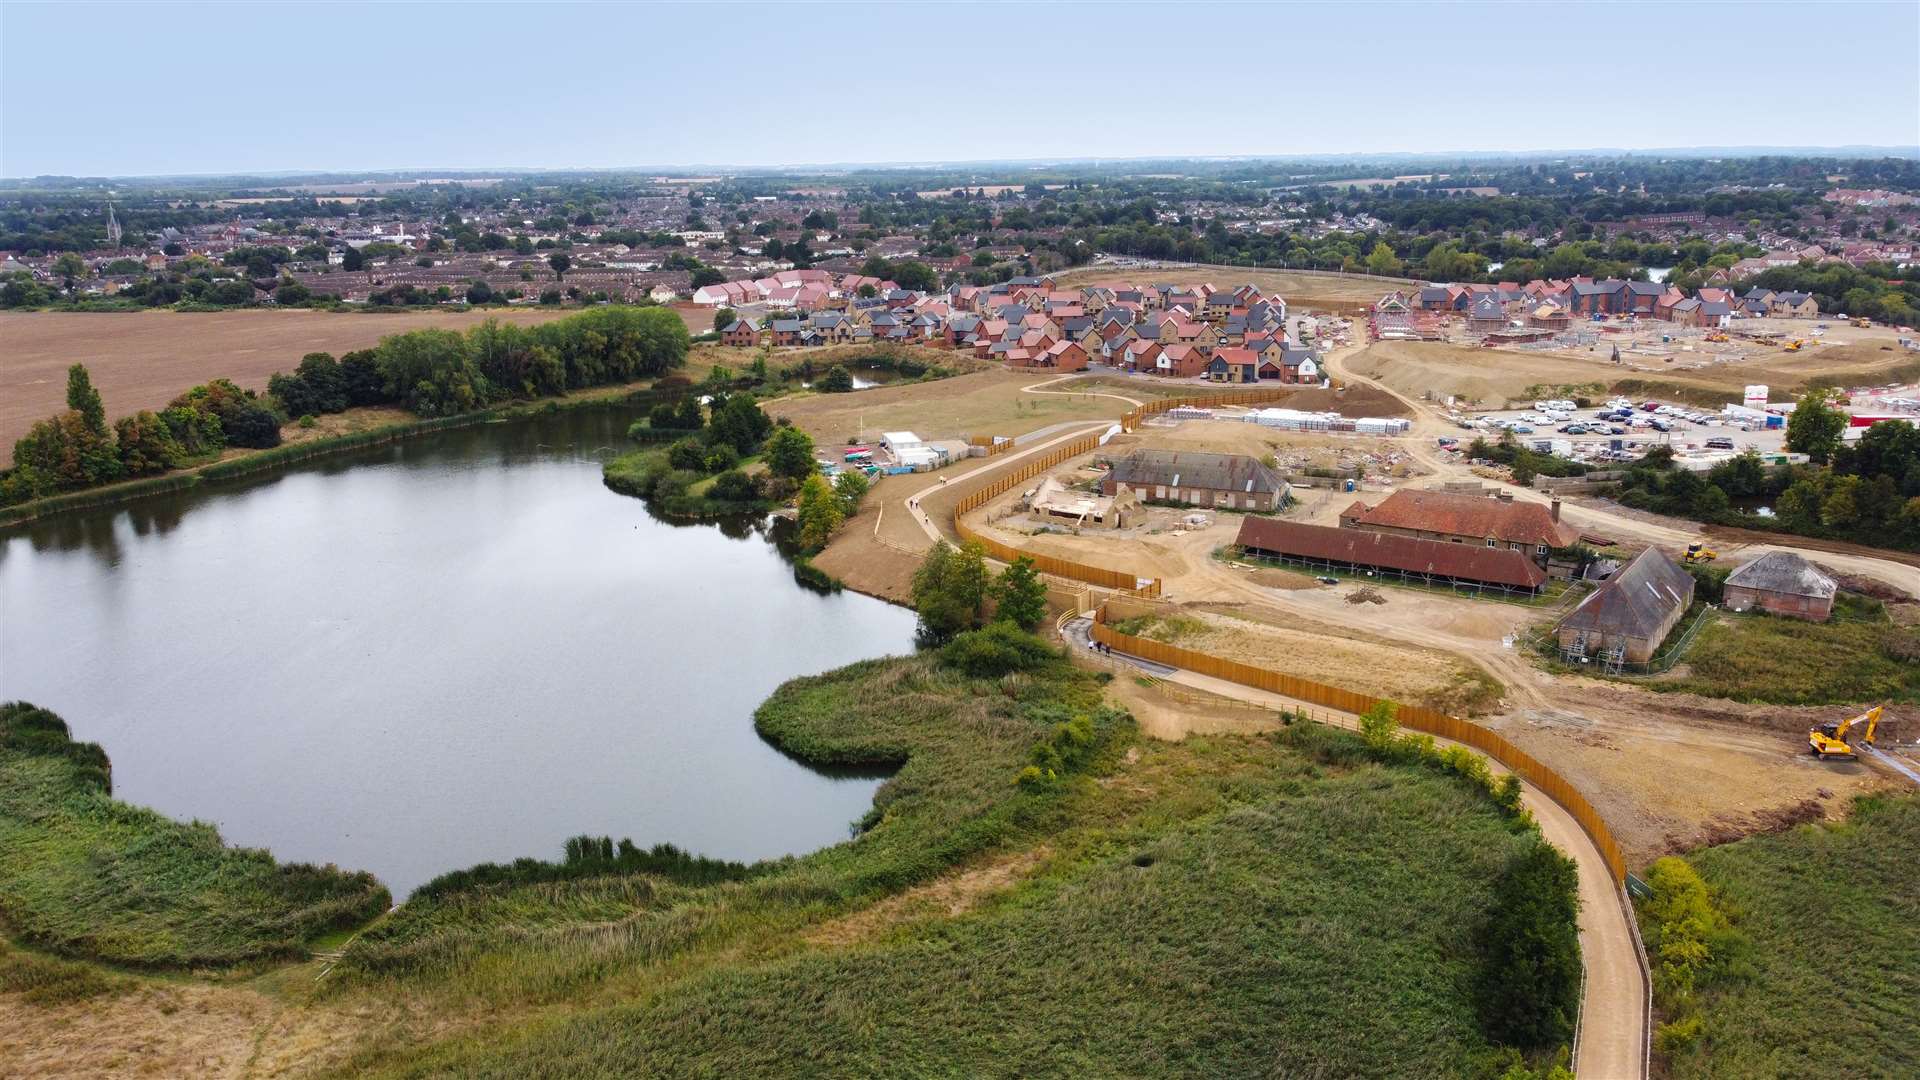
column 1650, row 406
column 1720, row 444
column 1448, row 440
column 1658, row 424
column 1521, row 429
column 1328, row 580
column 1616, row 429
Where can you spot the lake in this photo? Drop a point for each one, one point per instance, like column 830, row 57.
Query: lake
column 456, row 649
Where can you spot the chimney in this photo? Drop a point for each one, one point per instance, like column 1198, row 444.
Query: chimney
column 1556, row 509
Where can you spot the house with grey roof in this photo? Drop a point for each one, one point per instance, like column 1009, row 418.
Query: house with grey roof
column 1631, row 613
column 1225, row 481
column 1781, row 583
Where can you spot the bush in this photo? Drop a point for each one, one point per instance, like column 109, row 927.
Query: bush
column 837, row 380
column 687, row 454
column 733, row 486
column 996, row 649
column 720, row 458
column 1529, row 991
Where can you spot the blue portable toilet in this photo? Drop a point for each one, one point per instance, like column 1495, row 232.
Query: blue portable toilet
column 1349, row 485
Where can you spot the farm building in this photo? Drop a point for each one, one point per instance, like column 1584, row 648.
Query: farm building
column 1782, row 583
column 1482, row 520
column 1228, row 481
column 1429, row 561
column 1630, row 614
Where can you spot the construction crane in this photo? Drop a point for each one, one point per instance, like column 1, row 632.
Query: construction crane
column 1829, row 741
column 1701, row 553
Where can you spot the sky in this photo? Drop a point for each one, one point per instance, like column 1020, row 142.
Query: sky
column 102, row 89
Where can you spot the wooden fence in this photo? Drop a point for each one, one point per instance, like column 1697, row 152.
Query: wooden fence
column 1413, row 717
column 1250, row 396
column 1106, row 577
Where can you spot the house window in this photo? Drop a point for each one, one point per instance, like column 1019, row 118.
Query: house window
column 1491, row 542
column 1541, row 550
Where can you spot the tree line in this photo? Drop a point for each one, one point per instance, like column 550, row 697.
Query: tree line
column 1867, row 492
column 429, row 372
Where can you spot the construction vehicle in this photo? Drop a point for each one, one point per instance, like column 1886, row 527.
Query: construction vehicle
column 1717, row 336
column 1863, row 322
column 1701, row 553
column 1829, row 741
column 1794, row 345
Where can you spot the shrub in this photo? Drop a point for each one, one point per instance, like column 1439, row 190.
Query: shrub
column 147, row 445
column 733, row 486
column 996, row 649
column 1528, row 992
column 837, row 380
column 687, row 454
column 720, row 458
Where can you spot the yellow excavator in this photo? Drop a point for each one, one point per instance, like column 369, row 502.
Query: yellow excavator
column 1829, row 741
column 1701, row 553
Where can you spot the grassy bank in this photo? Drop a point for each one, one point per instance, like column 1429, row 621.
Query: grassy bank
column 1826, row 981
column 1784, row 661
column 84, row 874
column 1276, row 905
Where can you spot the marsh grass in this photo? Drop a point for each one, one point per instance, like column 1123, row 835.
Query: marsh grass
column 1222, row 907
column 86, row 875
column 1768, row 658
column 1830, row 981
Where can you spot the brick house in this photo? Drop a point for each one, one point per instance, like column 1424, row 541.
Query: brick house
column 1782, row 583
column 1495, row 522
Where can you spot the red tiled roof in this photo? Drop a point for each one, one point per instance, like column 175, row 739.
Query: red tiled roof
column 1497, row 566
column 1515, row 522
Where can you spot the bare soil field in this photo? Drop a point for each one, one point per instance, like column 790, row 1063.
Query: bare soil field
column 1495, row 376
column 1301, row 290
column 142, row 360
column 982, row 403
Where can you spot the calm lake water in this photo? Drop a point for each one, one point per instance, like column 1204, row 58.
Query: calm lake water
column 418, row 657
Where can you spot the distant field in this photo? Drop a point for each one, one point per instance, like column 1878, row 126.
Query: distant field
column 141, row 360
column 1299, row 289
column 1496, row 375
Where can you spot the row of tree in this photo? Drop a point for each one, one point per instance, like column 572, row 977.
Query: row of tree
column 76, row 449
column 1867, row 491
column 953, row 588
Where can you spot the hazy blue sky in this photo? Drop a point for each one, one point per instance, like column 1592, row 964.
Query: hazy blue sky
column 125, row 89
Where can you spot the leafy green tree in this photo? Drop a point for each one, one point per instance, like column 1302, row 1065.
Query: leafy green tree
column 1020, row 596
column 688, row 414
column 819, row 512
column 688, row 454
column 915, row 275
column 1381, row 260
column 85, row 400
column 351, row 259
column 1815, row 427
column 733, row 486
column 720, row 457
column 1378, row 727
column 561, row 262
column 837, row 380
column 479, row 292
column 432, row 373
column 790, row 453
column 147, row 445
column 740, row 423
column 724, row 318
column 950, row 590
column 851, row 486
column 1528, row 991
column 69, row 268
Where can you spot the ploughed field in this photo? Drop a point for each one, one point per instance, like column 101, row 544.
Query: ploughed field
column 143, row 359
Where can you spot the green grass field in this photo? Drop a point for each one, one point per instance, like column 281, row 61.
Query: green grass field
column 1828, row 984
column 86, row 875
column 1791, row 662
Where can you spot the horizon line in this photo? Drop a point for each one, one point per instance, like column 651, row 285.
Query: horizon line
column 1745, row 150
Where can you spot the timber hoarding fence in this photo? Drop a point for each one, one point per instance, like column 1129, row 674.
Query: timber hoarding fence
column 1104, row 576
column 1413, row 717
